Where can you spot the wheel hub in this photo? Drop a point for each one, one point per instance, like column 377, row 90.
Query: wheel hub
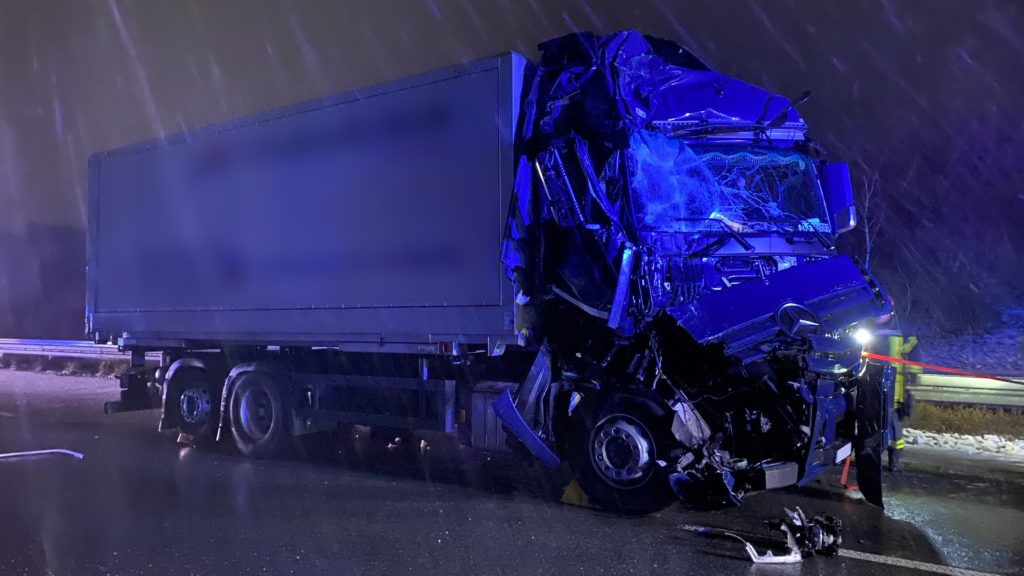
column 621, row 450
column 195, row 405
column 256, row 413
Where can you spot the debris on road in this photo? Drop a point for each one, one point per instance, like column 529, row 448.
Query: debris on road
column 769, row 557
column 805, row 537
column 819, row 535
column 29, row 453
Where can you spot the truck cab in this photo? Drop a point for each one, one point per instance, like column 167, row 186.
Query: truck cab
column 688, row 224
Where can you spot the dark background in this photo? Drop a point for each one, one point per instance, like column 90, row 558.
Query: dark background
column 924, row 98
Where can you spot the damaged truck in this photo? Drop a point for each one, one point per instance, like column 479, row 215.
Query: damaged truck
column 613, row 259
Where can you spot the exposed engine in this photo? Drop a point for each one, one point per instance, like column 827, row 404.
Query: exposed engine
column 676, row 279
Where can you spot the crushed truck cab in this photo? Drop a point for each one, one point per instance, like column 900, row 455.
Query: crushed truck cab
column 673, row 245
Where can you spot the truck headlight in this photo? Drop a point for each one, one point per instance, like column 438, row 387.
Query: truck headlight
column 863, row 336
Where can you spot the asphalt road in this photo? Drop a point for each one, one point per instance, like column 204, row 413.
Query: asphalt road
column 139, row 503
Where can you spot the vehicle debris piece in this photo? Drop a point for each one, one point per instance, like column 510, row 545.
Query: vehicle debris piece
column 47, row 452
column 769, row 557
column 817, row 536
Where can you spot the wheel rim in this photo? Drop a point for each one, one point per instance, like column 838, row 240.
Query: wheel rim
column 256, row 412
column 195, row 405
column 622, row 451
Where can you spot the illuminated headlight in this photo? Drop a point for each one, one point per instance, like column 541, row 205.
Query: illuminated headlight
column 863, row 336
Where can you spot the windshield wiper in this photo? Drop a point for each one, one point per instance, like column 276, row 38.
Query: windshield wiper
column 780, row 118
column 824, row 240
column 728, row 230
column 705, row 130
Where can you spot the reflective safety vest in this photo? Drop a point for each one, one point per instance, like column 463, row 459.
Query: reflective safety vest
column 900, row 347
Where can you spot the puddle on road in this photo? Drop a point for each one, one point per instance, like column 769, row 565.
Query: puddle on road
column 978, row 533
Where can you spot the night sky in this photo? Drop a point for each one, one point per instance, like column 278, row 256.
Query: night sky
column 926, row 96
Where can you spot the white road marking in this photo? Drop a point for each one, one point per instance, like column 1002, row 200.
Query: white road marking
column 902, row 563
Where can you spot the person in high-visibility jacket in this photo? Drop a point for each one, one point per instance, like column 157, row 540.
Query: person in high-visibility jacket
column 902, row 348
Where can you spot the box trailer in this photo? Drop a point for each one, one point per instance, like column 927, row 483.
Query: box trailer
column 614, row 258
column 370, row 219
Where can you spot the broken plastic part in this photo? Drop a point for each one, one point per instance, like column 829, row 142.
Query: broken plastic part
column 768, row 557
column 804, row 538
column 506, row 411
column 688, row 427
column 621, row 287
column 574, row 400
column 565, row 209
column 816, row 536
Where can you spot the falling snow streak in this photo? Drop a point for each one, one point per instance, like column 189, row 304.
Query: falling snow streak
column 138, row 69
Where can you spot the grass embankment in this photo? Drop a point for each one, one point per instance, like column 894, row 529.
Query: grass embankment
column 973, row 420
column 102, row 368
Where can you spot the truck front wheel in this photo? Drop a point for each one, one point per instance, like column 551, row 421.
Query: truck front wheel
column 614, row 443
column 259, row 416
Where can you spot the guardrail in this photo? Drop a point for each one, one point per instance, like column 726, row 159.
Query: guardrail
column 952, row 389
column 64, row 349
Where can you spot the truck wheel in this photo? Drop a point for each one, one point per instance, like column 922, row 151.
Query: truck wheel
column 260, row 416
column 196, row 403
column 613, row 444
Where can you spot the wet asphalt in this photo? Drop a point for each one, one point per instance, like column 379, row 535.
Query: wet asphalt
column 140, row 503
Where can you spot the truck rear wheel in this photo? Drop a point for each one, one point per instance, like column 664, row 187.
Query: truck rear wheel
column 614, row 443
column 195, row 402
column 260, row 416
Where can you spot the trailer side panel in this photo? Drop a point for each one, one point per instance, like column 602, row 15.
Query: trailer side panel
column 376, row 215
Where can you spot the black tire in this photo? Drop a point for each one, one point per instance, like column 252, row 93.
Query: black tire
column 642, row 489
column 195, row 402
column 260, row 416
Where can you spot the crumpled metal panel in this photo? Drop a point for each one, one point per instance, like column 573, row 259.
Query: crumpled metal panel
column 588, row 96
column 627, row 81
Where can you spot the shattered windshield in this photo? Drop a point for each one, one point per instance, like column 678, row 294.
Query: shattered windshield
column 686, row 187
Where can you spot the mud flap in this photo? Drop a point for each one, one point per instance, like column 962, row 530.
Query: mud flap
column 869, row 472
column 874, row 397
column 136, row 393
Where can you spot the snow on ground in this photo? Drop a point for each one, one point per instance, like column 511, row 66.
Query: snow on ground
column 999, row 350
column 989, row 443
